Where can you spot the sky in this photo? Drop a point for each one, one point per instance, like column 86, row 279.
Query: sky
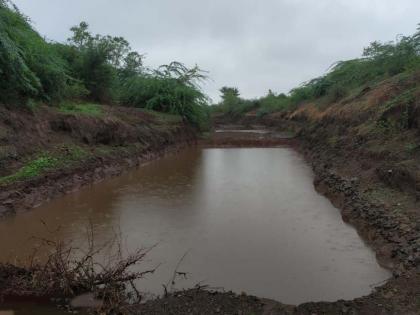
column 254, row 45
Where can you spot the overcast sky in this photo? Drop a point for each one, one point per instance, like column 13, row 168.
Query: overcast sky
column 254, row 45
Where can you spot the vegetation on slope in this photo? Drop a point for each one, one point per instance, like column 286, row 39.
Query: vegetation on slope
column 380, row 61
column 94, row 68
column 62, row 157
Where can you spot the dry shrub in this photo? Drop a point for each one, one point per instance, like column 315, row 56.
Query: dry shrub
column 69, row 271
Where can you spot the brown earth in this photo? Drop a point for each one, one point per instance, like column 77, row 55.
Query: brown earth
column 394, row 239
column 365, row 153
column 364, row 161
column 118, row 139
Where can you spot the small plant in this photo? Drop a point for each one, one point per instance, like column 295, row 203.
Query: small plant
column 88, row 109
column 64, row 156
column 32, row 169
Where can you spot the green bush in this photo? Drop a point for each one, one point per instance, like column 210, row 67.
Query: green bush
column 91, row 67
column 29, row 66
column 232, row 104
column 171, row 89
column 379, row 61
column 32, row 169
column 87, row 109
column 273, row 103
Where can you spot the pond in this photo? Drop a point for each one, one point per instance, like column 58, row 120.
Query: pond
column 246, row 219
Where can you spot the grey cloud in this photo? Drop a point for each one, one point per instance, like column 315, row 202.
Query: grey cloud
column 252, row 44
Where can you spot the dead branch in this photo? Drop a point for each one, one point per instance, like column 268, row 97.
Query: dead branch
column 69, row 271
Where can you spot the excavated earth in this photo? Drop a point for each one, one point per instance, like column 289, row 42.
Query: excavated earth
column 393, row 235
column 369, row 177
column 118, row 139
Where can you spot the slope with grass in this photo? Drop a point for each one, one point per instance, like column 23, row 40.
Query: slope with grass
column 49, row 151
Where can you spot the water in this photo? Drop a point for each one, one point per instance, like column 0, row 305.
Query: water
column 247, row 219
column 31, row 308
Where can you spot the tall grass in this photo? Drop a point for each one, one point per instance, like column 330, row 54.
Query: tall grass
column 29, row 67
column 93, row 68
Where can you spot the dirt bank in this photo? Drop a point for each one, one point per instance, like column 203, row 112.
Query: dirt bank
column 370, row 179
column 365, row 154
column 394, row 238
column 47, row 152
column 386, row 232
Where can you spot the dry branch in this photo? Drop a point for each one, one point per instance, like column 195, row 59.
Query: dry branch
column 70, row 271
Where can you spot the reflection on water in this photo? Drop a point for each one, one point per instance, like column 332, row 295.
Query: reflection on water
column 249, row 219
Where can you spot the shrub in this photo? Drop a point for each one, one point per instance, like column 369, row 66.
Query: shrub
column 232, row 104
column 171, row 89
column 29, row 66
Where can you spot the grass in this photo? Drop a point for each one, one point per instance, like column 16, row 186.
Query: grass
column 32, row 169
column 88, row 109
column 62, row 157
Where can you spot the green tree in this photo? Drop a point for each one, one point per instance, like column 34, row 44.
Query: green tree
column 133, row 65
column 229, row 92
column 81, row 36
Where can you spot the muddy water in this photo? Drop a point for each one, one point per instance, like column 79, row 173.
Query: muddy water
column 247, row 219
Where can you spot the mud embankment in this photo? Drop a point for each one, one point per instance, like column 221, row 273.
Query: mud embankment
column 394, row 239
column 361, row 173
column 372, row 177
column 120, row 138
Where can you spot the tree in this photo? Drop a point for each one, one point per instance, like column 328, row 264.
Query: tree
column 81, row 36
column 229, row 92
column 133, row 65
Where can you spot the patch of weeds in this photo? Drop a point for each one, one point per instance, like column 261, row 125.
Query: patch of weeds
column 32, row 169
column 87, row 109
column 71, row 153
column 261, row 112
column 64, row 156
